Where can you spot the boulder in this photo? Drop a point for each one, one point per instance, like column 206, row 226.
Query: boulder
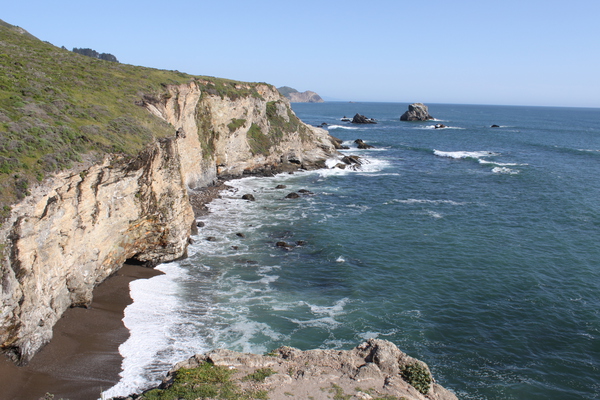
column 284, row 245
column 440, row 126
column 495, row 126
column 351, row 160
column 292, row 195
column 361, row 119
column 248, row 197
column 280, row 187
column 362, row 145
column 416, row 112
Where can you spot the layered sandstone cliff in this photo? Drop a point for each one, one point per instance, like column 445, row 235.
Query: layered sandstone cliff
column 79, row 226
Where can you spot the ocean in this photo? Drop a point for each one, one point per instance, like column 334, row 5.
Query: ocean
column 472, row 248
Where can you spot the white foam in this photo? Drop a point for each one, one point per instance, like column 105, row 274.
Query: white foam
column 342, row 127
column 426, row 201
column 464, row 154
column 434, row 214
column 150, row 318
column 500, row 164
column 340, row 259
column 440, row 128
column 504, row 170
column 332, row 311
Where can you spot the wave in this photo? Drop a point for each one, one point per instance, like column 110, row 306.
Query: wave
column 369, row 165
column 439, row 129
column 504, row 170
column 342, row 127
column 425, row 201
column 150, row 320
column 464, row 154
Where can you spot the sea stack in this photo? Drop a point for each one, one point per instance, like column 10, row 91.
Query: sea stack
column 416, row 112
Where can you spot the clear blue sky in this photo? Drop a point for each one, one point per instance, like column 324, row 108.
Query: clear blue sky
column 519, row 52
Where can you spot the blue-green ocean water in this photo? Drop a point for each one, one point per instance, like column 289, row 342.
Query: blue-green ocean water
column 474, row 249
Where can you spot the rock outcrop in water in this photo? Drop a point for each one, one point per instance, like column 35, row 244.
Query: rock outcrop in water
column 361, row 119
column 416, row 112
column 78, row 227
column 376, row 369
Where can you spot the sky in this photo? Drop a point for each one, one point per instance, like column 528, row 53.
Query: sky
column 506, row 52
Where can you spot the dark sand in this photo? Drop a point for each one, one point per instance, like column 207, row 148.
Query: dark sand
column 83, row 359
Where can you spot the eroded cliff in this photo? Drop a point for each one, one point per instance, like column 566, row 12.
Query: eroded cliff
column 79, row 226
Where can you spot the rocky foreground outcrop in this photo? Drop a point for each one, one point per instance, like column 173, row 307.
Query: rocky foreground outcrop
column 376, row 369
column 79, row 226
column 416, row 112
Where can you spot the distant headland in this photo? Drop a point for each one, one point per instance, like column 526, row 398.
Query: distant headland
column 295, row 96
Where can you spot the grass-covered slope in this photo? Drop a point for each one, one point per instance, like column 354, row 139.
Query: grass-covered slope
column 58, row 107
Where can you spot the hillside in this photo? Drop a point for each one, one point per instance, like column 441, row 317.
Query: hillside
column 58, row 108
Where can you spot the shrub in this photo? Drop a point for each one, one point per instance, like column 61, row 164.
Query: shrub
column 259, row 375
column 417, row 376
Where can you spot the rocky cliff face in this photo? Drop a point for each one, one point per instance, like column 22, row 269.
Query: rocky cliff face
column 78, row 227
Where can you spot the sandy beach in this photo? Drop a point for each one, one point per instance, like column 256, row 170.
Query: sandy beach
column 83, row 359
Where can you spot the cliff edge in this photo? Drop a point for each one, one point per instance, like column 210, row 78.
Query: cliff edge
column 374, row 370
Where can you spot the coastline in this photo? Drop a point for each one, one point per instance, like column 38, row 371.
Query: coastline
column 83, row 358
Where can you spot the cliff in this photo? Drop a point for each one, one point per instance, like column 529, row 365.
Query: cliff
column 295, row 96
column 77, row 224
column 376, row 369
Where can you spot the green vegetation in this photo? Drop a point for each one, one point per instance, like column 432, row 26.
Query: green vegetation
column 207, row 381
column 417, row 376
column 338, row 393
column 259, row 142
column 235, row 124
column 95, row 54
column 280, row 125
column 58, row 108
column 259, row 375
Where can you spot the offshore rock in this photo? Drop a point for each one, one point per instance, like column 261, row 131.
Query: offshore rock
column 416, row 112
column 79, row 226
column 361, row 119
column 374, row 369
column 362, row 145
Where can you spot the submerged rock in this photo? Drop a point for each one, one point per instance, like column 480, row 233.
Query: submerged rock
column 416, row 112
column 363, row 145
column 248, row 197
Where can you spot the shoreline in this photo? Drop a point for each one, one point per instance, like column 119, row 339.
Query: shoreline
column 82, row 359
